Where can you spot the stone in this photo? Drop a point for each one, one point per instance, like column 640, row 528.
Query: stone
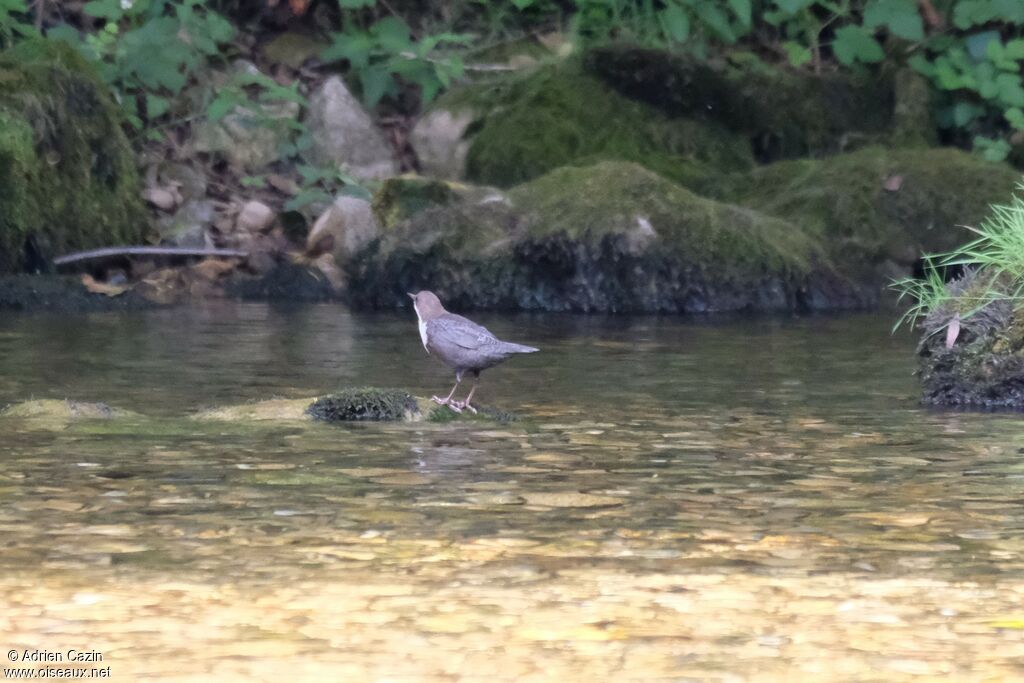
column 255, row 216
column 188, row 226
column 248, row 137
column 440, row 142
column 351, row 222
column 160, row 198
column 345, row 135
column 293, row 49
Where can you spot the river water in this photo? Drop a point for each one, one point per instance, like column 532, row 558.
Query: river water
column 754, row 500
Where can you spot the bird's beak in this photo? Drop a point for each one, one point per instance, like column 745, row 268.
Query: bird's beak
column 411, row 295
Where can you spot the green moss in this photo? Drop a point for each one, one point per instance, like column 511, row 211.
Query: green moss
column 67, row 174
column 399, row 198
column 612, row 237
column 627, row 201
column 875, row 204
column 443, row 415
column 784, row 113
column 350, row 405
column 557, row 115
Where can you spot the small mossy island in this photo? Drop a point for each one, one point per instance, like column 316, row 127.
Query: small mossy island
column 365, row 404
column 972, row 346
column 68, row 177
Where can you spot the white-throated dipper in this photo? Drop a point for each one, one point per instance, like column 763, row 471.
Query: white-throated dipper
column 460, row 344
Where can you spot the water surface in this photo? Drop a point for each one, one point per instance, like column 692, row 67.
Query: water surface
column 746, row 500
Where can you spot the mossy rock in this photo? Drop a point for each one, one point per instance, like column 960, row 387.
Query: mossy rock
column 55, row 413
column 529, row 124
column 68, row 178
column 782, row 113
column 271, row 409
column 979, row 372
column 875, row 204
column 401, row 197
column 611, row 237
column 366, row 404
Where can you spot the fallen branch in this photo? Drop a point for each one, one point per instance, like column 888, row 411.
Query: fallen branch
column 107, row 252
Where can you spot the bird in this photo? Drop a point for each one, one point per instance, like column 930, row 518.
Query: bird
column 460, row 344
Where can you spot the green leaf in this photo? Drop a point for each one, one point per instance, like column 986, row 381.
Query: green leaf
column 104, row 9
column 523, row 4
column 305, row 198
column 798, row 54
column 376, row 82
column 715, row 19
column 854, row 44
column 743, row 11
column 793, row 6
column 156, row 106
column 1015, row 117
column 221, row 106
column 900, row 17
column 356, row 4
column 393, row 34
column 675, row 22
column 992, row 149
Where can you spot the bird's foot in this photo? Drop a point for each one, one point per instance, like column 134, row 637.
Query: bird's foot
column 459, row 406
column 440, row 401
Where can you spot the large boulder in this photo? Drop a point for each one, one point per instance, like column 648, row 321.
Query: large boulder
column 68, row 178
column 611, row 237
column 346, row 135
column 517, row 128
column 875, row 205
column 783, row 113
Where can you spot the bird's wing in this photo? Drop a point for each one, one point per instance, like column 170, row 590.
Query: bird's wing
column 462, row 332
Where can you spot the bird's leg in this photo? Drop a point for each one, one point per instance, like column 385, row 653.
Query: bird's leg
column 465, row 404
column 448, row 400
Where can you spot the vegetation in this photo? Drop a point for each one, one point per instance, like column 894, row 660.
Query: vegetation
column 991, row 285
column 150, row 50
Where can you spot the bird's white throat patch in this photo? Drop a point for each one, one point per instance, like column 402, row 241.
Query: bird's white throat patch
column 423, row 333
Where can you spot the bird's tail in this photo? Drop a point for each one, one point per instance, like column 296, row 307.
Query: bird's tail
column 519, row 348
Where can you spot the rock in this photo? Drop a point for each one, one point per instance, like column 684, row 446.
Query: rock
column 612, row 237
column 53, row 412
column 912, row 122
column 366, row 404
column 68, row 176
column 254, row 217
column 162, row 199
column 783, row 113
column 189, row 181
column 399, row 198
column 271, row 409
column 849, row 203
column 62, row 294
column 351, row 223
column 249, row 137
column 293, row 49
column 529, row 124
column 189, row 226
column 283, row 281
column 346, row 135
column 440, row 142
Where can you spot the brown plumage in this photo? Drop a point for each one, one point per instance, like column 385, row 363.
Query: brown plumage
column 460, row 344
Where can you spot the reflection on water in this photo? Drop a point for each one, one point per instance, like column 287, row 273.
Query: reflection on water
column 756, row 500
